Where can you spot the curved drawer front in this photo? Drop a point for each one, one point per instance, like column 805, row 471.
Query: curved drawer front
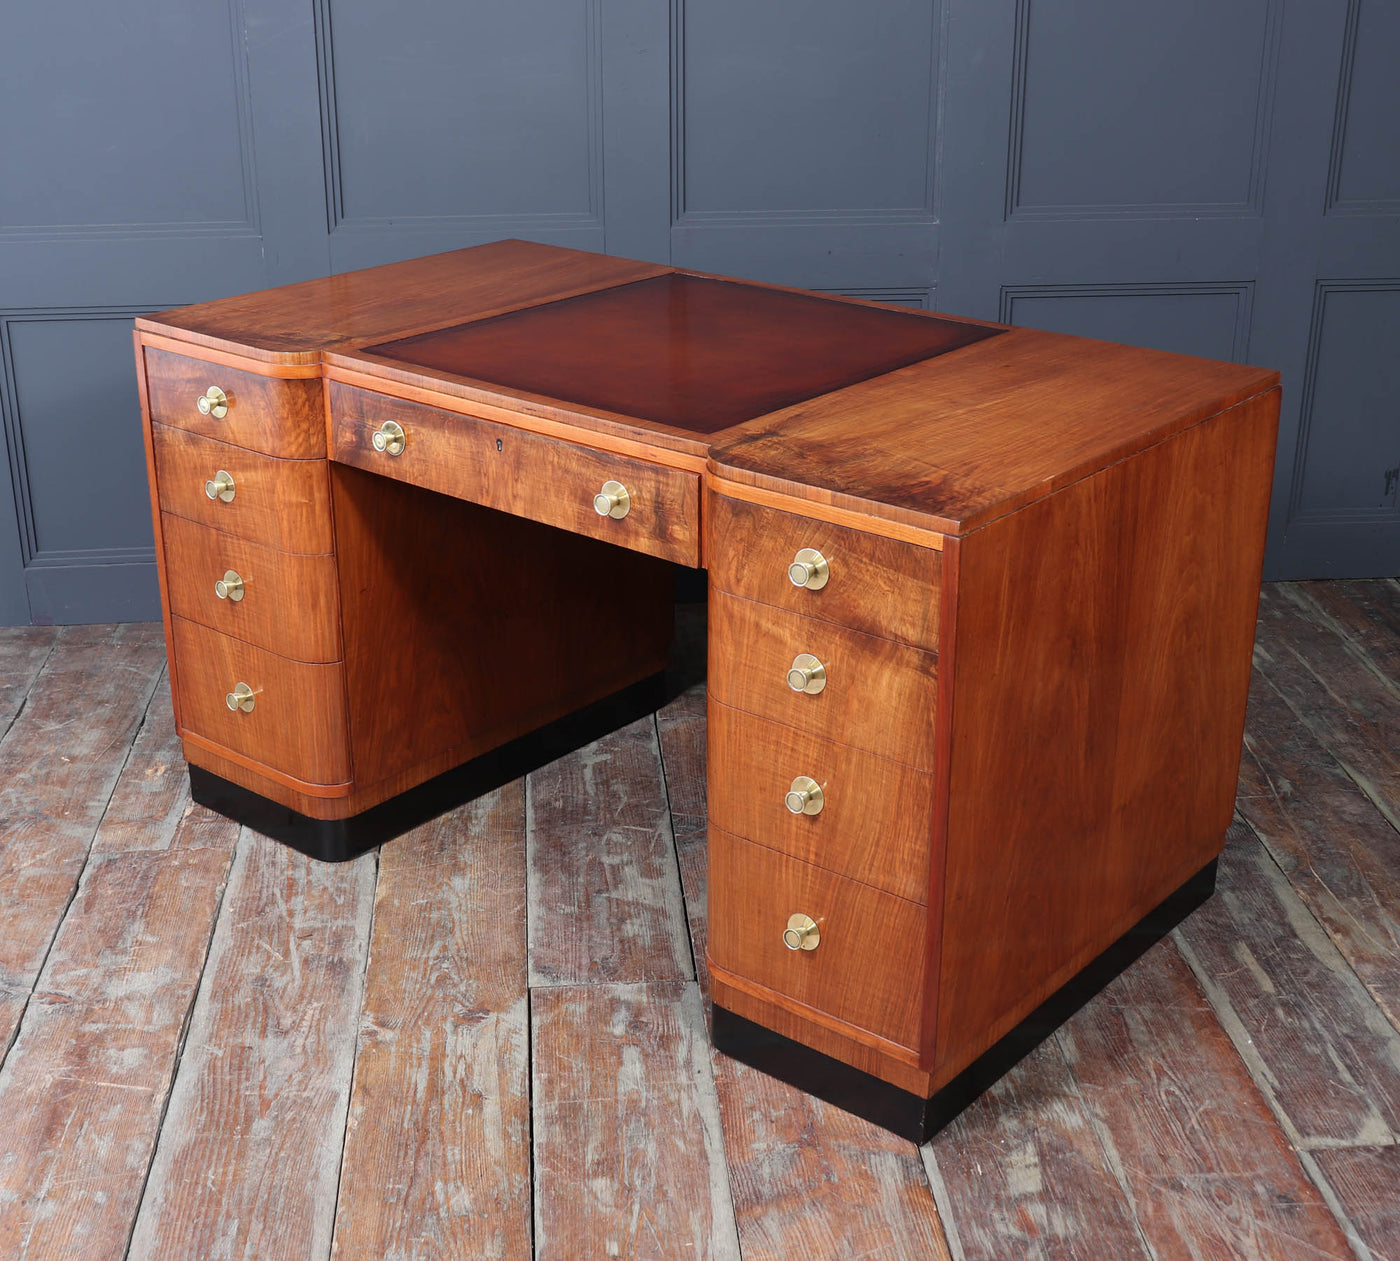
column 282, row 503
column 867, row 968
column 876, row 694
column 873, row 818
column 863, row 581
column 279, row 417
column 296, row 723
column 523, row 473
column 278, row 600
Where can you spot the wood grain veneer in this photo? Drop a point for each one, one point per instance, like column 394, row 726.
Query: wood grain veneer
column 1098, row 703
column 298, row 724
column 876, row 584
column 290, row 604
column 753, row 890
column 522, row 473
column 876, row 817
column 880, row 695
column 277, row 417
column 953, row 443
column 284, row 504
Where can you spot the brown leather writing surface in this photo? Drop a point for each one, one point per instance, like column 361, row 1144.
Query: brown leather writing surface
column 687, row 351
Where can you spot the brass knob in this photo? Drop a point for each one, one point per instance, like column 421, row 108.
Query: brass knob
column 807, row 674
column 213, row 402
column 802, row 933
column 389, row 438
column 241, row 698
column 230, row 586
column 612, row 501
column 809, row 569
column 805, row 796
column 220, row 486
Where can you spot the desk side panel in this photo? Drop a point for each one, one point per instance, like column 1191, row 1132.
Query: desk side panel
column 1104, row 640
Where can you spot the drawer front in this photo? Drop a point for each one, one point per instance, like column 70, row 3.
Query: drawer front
column 278, row 600
column 868, row 965
column 522, row 473
column 282, row 503
column 878, row 695
column 279, row 417
column 871, row 821
column 869, row 583
column 297, row 724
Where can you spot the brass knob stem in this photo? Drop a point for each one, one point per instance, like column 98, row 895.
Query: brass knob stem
column 240, row 700
column 805, row 796
column 809, row 569
column 389, row 438
column 802, row 933
column 612, row 501
column 806, row 674
column 220, row 486
column 230, row 586
column 213, row 402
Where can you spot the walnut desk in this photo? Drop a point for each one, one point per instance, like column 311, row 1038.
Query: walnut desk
column 982, row 604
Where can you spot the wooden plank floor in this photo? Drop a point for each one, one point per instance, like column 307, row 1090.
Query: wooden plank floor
column 488, row 1038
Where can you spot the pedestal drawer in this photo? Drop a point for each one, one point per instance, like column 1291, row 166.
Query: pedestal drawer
column 874, row 694
column 526, row 474
column 296, row 722
column 867, row 968
column 282, row 503
column 281, row 601
column 863, row 581
column 269, row 414
column 862, row 816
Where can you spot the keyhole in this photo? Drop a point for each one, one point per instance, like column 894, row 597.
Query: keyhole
column 498, row 444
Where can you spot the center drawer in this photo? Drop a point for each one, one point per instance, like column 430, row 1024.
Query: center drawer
column 656, row 508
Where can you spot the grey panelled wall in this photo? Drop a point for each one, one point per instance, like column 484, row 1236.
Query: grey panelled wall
column 1219, row 177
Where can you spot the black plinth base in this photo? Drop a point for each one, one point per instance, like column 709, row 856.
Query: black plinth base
column 912, row 1116
column 336, row 840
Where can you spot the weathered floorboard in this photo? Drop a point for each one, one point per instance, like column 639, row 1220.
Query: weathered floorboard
column 1367, row 617
column 680, row 728
column 84, row 1088
column 1208, row 1169
column 151, row 807
column 1025, row 1174
column 1326, row 1055
column 1367, row 1181
column 1353, row 713
column 58, row 762
column 629, row 1159
column 1337, row 850
column 605, row 900
column 23, row 651
column 811, row 1181
column 249, row 1155
column 437, row 1151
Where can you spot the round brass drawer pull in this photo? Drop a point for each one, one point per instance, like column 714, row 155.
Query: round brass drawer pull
column 240, row 699
column 220, row 486
column 802, row 933
column 809, row 569
column 389, row 438
column 807, row 674
column 805, row 796
column 612, row 501
column 213, row 402
column 230, row 586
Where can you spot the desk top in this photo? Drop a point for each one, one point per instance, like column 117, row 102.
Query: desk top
column 934, row 423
